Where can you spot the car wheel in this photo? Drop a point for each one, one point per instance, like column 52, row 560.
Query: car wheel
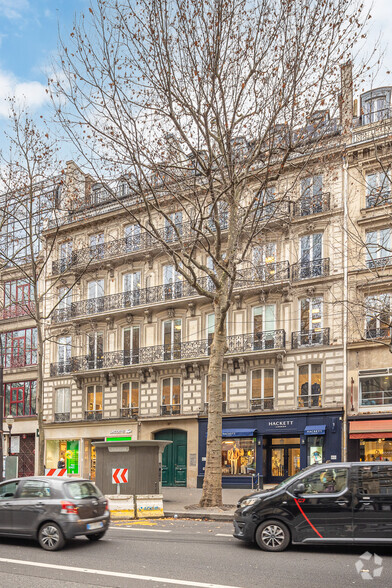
column 50, row 537
column 272, row 536
column 96, row 536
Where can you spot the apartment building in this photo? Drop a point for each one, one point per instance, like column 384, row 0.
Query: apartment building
column 129, row 339
column 369, row 222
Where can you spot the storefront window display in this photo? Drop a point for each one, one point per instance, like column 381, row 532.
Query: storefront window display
column 315, row 450
column 238, row 457
column 57, row 450
column 375, row 450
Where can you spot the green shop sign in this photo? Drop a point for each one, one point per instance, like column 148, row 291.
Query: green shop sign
column 72, row 456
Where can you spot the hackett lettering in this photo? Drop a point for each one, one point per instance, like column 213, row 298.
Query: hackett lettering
column 280, row 423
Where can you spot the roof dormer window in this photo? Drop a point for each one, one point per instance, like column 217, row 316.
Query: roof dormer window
column 375, row 105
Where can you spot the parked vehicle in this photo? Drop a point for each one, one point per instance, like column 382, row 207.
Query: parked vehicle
column 52, row 510
column 328, row 503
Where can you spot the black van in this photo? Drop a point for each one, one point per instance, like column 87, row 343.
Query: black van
column 327, row 503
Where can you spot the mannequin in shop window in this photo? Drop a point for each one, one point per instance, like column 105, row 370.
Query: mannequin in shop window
column 233, row 456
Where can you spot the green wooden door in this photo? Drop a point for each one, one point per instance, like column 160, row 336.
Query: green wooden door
column 174, row 457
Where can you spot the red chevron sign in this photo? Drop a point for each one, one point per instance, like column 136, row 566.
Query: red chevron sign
column 119, row 475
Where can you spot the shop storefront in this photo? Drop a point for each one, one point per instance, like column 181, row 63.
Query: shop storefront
column 272, row 447
column 75, row 445
column 370, row 440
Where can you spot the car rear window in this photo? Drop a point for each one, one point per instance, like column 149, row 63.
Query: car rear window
column 79, row 490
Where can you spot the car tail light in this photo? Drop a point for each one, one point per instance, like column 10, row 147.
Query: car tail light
column 106, row 506
column 68, row 507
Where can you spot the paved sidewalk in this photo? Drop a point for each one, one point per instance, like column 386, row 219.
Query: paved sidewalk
column 184, row 503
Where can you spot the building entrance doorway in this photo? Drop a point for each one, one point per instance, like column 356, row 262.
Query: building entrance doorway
column 174, row 464
column 283, row 458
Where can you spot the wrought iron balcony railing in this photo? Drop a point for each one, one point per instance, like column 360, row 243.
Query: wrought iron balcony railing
column 93, row 415
column 62, row 417
column 312, row 204
column 379, row 262
column 310, row 338
column 248, row 278
column 129, row 413
column 258, row 404
column 380, row 198
column 308, row 400
column 139, row 242
column 262, row 341
column 305, row 270
column 378, row 333
column 169, row 409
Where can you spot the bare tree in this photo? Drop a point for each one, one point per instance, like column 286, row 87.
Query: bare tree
column 198, row 107
column 30, row 176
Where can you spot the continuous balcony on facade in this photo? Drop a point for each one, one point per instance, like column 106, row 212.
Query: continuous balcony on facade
column 310, row 338
column 306, row 270
column 144, row 241
column 247, row 278
column 236, row 344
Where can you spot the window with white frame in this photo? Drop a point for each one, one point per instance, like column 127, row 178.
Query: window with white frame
column 375, row 105
column 378, row 188
column 311, row 201
column 378, row 248
column 132, row 236
column 173, row 226
column 171, row 396
column 378, row 316
column 172, row 338
column 95, row 350
column 311, row 264
column 375, row 391
column 132, row 283
column 65, row 298
column 97, row 244
column 94, row 405
column 64, row 351
column 262, row 389
column 62, row 404
column 95, row 295
column 263, row 326
column 172, row 282
column 131, row 344
column 130, row 398
column 218, row 215
column 311, row 321
column 309, row 385
column 265, row 203
column 225, row 393
column 65, row 255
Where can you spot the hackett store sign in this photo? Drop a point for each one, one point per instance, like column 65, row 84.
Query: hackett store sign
column 279, row 425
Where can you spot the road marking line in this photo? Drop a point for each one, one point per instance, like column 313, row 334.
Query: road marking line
column 223, row 535
column 114, row 574
column 139, row 529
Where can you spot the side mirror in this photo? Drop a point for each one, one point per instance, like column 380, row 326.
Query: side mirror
column 299, row 488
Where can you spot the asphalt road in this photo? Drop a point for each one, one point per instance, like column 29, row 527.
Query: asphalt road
column 184, row 553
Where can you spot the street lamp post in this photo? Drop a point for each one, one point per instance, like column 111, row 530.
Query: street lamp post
column 10, row 421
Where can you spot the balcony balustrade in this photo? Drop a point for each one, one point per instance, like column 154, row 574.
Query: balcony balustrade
column 62, row 417
column 170, row 409
column 259, row 404
column 309, row 400
column 379, row 262
column 247, row 278
column 263, row 341
column 93, row 415
column 129, row 413
column 313, row 204
column 378, row 333
column 305, row 270
column 380, row 198
column 310, row 338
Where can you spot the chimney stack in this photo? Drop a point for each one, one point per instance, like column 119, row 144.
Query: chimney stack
column 346, row 97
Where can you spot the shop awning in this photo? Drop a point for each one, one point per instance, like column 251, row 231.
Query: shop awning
column 315, row 430
column 371, row 429
column 238, row 432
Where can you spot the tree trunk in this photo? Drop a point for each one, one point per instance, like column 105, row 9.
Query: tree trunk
column 212, row 485
column 40, row 403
